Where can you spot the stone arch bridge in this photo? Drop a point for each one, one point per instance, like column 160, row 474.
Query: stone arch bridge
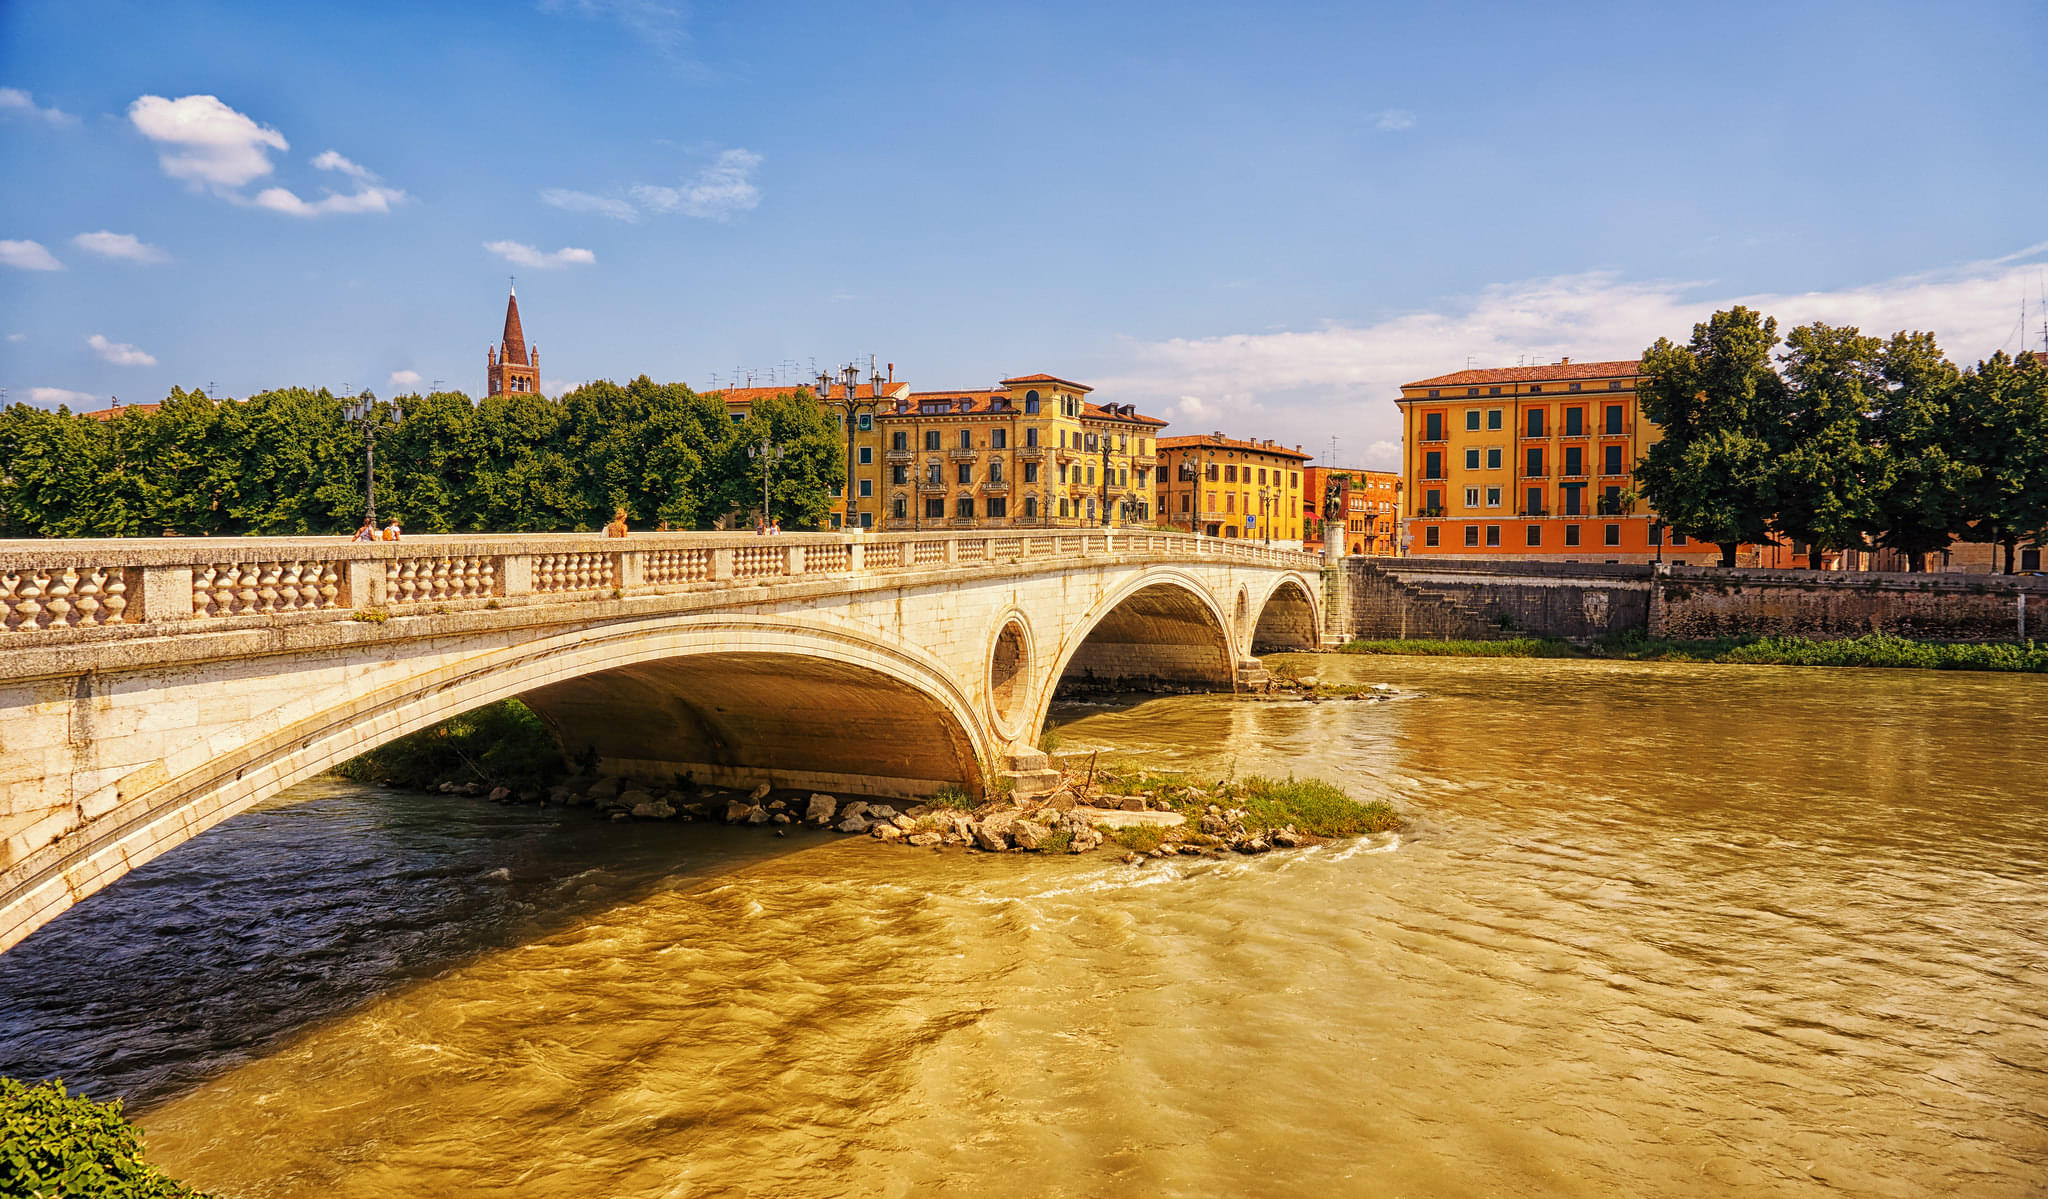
column 151, row 688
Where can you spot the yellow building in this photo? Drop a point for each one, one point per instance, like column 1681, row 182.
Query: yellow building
column 1031, row 451
column 1229, row 488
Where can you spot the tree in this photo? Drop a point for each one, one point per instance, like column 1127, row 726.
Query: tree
column 813, row 462
column 61, row 476
column 1826, row 467
column 426, row 463
column 1711, row 476
column 525, row 482
column 2001, row 413
column 188, row 481
column 1923, row 498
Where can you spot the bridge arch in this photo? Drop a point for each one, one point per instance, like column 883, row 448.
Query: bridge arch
column 1288, row 619
column 1159, row 627
column 833, row 694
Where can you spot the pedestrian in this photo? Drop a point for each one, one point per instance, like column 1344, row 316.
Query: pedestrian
column 391, row 530
column 618, row 526
column 760, row 527
column 368, row 532
column 774, row 528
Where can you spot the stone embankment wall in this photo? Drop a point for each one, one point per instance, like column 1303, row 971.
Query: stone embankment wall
column 1394, row 598
column 1419, row 597
column 1698, row 602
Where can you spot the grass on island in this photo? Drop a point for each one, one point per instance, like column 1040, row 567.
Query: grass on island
column 1311, row 806
column 502, row 742
column 1873, row 649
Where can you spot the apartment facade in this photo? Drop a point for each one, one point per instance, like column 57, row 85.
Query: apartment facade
column 1225, row 487
column 1531, row 462
column 1370, row 503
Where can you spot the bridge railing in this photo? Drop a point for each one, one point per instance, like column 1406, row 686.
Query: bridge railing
column 55, row 587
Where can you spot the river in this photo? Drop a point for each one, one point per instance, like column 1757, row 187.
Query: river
column 1656, row 929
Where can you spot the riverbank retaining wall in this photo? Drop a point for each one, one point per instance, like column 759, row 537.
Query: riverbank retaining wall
column 1398, row 598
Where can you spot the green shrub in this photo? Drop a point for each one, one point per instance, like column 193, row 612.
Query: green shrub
column 953, row 798
column 54, row 1144
column 497, row 743
column 1311, row 806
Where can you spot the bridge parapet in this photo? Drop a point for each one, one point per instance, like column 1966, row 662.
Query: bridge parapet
column 61, row 591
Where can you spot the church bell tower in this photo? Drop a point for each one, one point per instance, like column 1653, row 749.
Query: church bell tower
column 511, row 366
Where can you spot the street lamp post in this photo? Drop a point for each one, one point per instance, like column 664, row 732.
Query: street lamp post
column 767, row 454
column 850, row 407
column 363, row 411
column 1657, row 526
column 1105, row 480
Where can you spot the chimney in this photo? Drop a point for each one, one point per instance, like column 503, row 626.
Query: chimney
column 892, row 372
column 1564, row 361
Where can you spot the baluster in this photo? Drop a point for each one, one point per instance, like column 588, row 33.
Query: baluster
column 408, row 580
column 28, row 606
column 287, row 574
column 9, row 582
column 57, row 600
column 114, row 596
column 330, row 585
column 86, row 601
column 246, row 577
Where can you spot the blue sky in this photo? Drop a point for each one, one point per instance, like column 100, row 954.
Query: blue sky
column 1259, row 219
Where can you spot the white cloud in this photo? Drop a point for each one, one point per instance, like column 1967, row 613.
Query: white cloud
column 120, row 353
column 658, row 24
column 368, row 198
column 521, row 254
column 204, row 141
column 1393, row 120
column 1300, row 387
column 28, row 256
column 405, row 378
column 13, row 99
column 719, row 190
column 119, row 245
column 53, row 396
column 575, row 201
column 556, row 387
column 16, row 338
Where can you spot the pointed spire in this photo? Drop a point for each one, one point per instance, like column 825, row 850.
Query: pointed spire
column 514, row 346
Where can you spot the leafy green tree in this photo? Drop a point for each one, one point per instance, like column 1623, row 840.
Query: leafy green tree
column 2001, row 413
column 61, row 475
column 1826, row 466
column 187, row 480
column 1712, row 477
column 1923, row 500
column 525, row 481
column 427, row 463
column 800, row 483
column 53, row 1143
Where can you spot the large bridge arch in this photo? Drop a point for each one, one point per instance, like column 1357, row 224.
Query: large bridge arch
column 1158, row 627
column 923, row 732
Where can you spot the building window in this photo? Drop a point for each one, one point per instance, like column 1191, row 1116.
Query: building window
column 1063, row 506
column 965, row 471
column 1493, row 458
column 999, row 439
column 1536, row 422
column 1656, row 534
column 899, row 440
column 898, row 509
column 1571, row 494
column 1574, row 422
column 963, row 508
column 2030, row 559
column 931, row 474
column 1089, row 443
column 1471, row 391
column 1472, row 459
column 1534, row 535
column 899, row 474
column 931, row 439
column 1614, row 385
column 1031, row 438
column 1031, row 472
column 1536, row 390
column 1031, row 401
column 1493, row 497
column 1535, row 462
column 1534, row 506
column 1471, row 497
column 1429, row 535
column 867, row 455
column 1472, row 418
column 867, row 489
column 1184, row 501
column 867, row 421
column 935, row 507
column 1493, row 535
column 1611, row 535
column 1613, row 415
column 1091, row 474
column 1230, row 474
column 1678, row 539
column 1493, row 391
column 1571, row 534
column 998, row 506
column 1433, row 500
column 1494, row 417
column 1229, row 501
column 966, row 439
column 1573, row 387
column 1610, row 460
column 1432, row 426
column 1472, row 535
column 995, row 470
column 1574, row 461
column 1030, row 507
column 1434, row 393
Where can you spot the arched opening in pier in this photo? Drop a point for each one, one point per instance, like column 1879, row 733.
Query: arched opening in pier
column 738, row 719
column 1162, row 637
column 1287, row 622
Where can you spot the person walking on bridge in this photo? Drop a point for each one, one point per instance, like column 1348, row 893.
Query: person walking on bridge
column 618, row 526
column 391, row 531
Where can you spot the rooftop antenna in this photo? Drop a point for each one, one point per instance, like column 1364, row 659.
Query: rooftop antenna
column 1471, row 361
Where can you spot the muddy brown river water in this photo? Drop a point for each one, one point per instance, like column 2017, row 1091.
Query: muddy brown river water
column 1656, row 930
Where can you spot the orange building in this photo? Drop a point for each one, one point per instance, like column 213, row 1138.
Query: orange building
column 1531, row 462
column 1369, row 499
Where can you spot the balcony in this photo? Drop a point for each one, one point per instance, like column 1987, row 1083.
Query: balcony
column 963, row 453
column 1030, row 453
column 899, row 456
column 998, row 486
column 1144, row 461
column 1431, row 513
column 932, row 486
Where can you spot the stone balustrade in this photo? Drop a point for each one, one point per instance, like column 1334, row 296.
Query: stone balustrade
column 72, row 589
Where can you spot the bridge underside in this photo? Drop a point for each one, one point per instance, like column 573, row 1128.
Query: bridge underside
column 737, row 719
column 1288, row 622
column 1160, row 636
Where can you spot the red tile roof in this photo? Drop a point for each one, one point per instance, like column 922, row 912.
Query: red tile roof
column 1101, row 412
column 744, row 395
column 1047, row 379
column 1220, row 442
column 116, row 411
column 1534, row 374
